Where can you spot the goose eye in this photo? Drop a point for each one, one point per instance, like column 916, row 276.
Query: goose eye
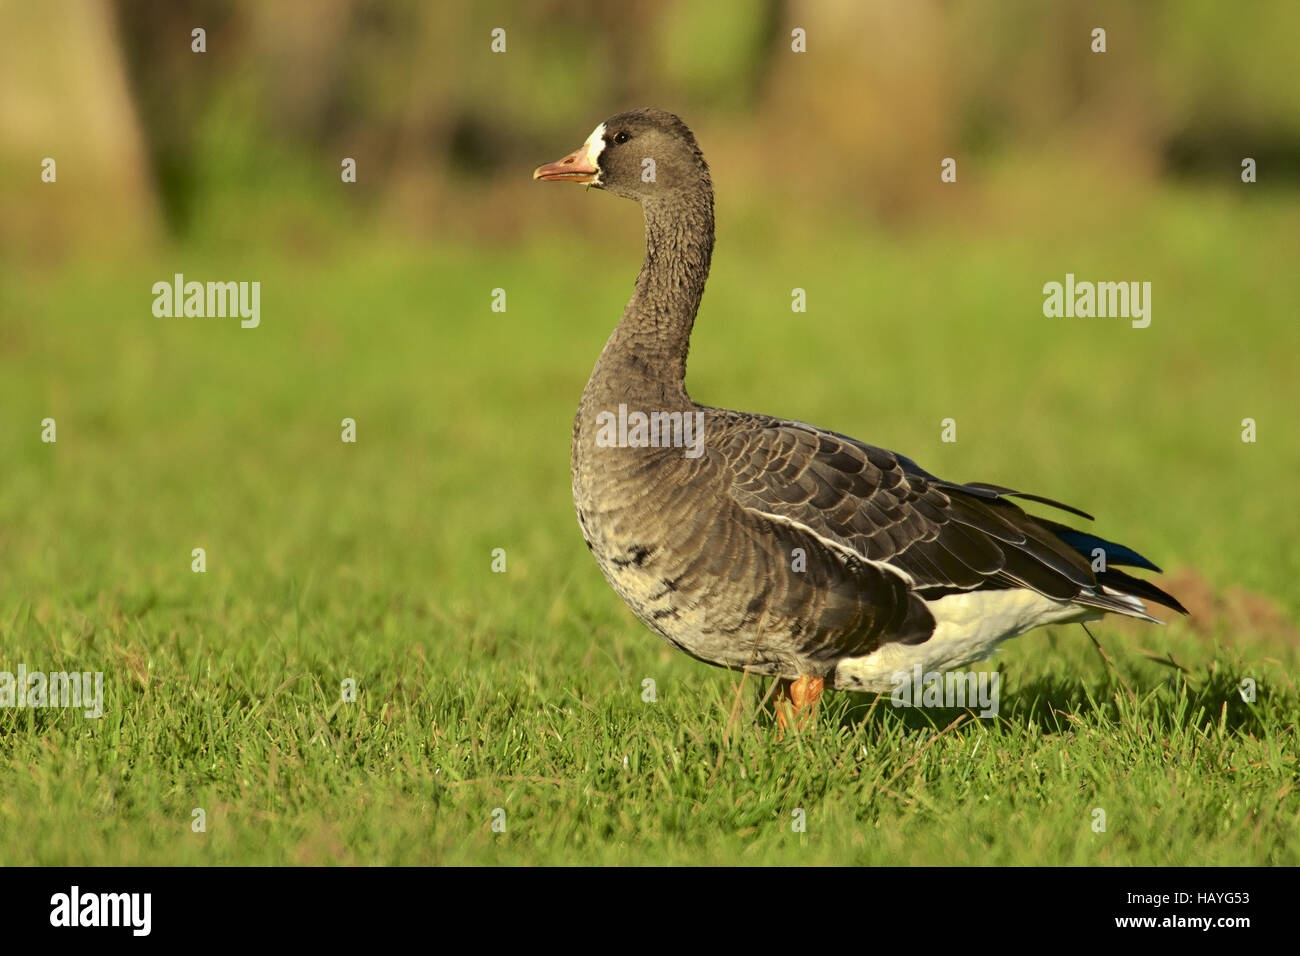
column 621, row 138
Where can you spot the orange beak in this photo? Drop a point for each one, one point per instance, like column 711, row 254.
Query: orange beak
column 577, row 167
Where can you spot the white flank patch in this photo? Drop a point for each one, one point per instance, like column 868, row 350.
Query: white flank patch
column 967, row 628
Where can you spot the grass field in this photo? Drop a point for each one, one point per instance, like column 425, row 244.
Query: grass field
column 522, row 690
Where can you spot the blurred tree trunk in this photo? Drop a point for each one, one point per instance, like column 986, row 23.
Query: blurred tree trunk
column 64, row 95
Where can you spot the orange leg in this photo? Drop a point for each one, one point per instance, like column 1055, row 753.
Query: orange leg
column 795, row 701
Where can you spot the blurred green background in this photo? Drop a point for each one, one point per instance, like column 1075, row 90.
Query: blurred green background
column 924, row 303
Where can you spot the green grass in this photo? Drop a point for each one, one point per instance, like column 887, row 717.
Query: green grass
column 522, row 690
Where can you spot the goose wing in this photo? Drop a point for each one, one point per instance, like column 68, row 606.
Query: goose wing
column 883, row 508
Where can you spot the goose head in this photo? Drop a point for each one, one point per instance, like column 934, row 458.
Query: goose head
column 646, row 155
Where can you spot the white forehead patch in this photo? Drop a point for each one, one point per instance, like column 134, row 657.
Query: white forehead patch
column 595, row 145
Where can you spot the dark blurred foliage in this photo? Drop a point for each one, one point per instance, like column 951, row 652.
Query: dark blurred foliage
column 159, row 136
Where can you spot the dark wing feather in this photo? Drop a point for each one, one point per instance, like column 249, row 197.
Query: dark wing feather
column 944, row 536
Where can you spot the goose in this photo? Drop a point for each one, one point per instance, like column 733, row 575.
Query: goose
column 769, row 545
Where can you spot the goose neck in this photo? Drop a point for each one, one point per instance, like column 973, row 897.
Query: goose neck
column 657, row 323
